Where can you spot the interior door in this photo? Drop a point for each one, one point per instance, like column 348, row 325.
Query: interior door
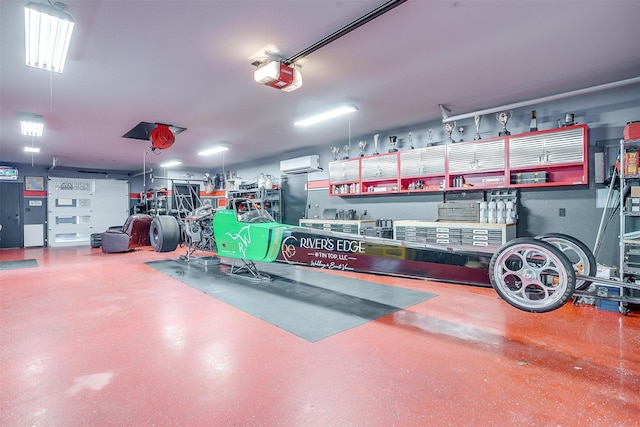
column 294, row 198
column 11, row 215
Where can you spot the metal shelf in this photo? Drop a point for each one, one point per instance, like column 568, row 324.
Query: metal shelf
column 631, row 270
column 629, row 235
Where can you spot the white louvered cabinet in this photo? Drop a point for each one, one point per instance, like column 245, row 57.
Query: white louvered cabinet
column 344, row 177
column 549, row 158
column 423, row 169
column 477, row 164
column 380, row 173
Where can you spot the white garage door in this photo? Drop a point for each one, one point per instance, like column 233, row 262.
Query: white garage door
column 79, row 207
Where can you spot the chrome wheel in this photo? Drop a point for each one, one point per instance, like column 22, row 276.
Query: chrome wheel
column 532, row 275
column 583, row 260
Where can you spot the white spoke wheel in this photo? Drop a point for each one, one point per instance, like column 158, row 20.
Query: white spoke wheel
column 532, row 275
column 584, row 263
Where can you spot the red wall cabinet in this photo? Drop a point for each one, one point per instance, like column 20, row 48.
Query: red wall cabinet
column 549, row 158
column 555, row 157
column 344, row 177
column 423, row 169
column 379, row 173
column 476, row 164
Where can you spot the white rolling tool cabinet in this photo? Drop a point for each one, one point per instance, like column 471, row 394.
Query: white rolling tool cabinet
column 476, row 236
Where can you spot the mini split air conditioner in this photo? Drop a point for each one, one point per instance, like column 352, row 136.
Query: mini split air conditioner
column 301, row 164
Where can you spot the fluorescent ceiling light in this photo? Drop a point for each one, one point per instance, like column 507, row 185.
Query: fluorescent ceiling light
column 326, row 116
column 32, row 149
column 32, row 126
column 47, row 36
column 171, row 163
column 214, row 150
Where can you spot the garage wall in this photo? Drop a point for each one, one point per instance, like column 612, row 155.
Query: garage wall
column 79, row 207
column 606, row 113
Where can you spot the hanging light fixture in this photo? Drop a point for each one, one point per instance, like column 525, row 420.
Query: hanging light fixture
column 32, row 125
column 47, row 35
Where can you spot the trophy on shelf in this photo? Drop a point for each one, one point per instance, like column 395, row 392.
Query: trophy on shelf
column 361, row 146
column 503, row 118
column 476, row 120
column 410, row 138
column 449, row 128
column 461, row 131
column 534, row 122
column 430, row 140
column 376, row 138
column 393, row 142
column 569, row 120
column 346, row 149
column 335, row 150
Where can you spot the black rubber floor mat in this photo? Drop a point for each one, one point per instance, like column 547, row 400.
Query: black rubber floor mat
column 20, row 263
column 313, row 308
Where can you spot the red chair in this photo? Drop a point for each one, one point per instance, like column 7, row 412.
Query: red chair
column 134, row 234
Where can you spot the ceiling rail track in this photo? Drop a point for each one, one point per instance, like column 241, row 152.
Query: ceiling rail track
column 345, row 30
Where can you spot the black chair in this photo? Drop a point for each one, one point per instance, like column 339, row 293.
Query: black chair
column 134, row 234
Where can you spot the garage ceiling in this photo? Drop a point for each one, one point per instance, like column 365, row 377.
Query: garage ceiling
column 188, row 63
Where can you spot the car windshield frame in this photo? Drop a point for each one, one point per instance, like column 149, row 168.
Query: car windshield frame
column 250, row 211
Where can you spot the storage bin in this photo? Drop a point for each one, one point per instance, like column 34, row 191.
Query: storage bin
column 608, row 305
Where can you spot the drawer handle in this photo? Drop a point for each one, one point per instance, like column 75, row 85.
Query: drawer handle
column 480, row 243
column 485, row 231
column 442, row 230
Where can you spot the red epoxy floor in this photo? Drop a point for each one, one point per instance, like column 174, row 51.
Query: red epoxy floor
column 95, row 339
